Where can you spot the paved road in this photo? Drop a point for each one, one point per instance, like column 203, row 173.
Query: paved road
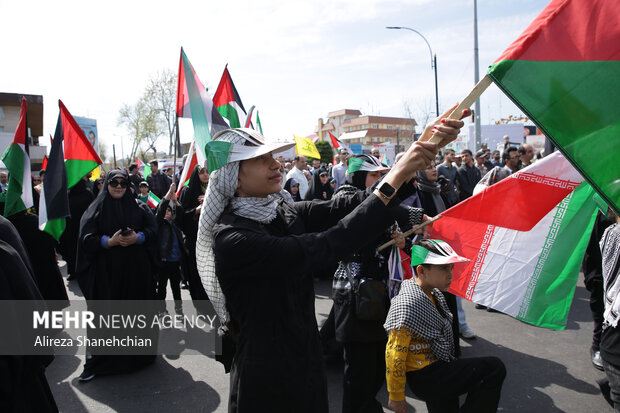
column 548, row 371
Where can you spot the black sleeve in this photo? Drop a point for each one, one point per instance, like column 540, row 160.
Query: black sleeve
column 321, row 215
column 150, row 225
column 239, row 248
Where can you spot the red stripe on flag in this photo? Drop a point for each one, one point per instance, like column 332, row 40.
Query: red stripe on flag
column 570, row 30
column 509, row 203
column 77, row 146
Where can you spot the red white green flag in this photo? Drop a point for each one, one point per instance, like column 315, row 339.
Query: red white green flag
column 194, row 102
column 228, row 102
column 17, row 161
column 532, row 274
column 252, row 119
column 564, row 73
column 80, row 156
column 188, row 167
column 153, row 201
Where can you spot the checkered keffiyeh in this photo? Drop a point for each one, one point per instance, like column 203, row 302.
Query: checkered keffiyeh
column 412, row 309
column 610, row 248
column 220, row 194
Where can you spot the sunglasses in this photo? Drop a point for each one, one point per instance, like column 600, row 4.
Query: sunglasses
column 115, row 183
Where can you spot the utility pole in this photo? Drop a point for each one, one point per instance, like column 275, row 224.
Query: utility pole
column 476, row 79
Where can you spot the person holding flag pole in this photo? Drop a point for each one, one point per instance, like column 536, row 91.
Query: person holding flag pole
column 249, row 237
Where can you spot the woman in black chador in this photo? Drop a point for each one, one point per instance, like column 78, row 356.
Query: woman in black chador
column 320, row 187
column 250, row 237
column 191, row 200
column 23, row 386
column 115, row 260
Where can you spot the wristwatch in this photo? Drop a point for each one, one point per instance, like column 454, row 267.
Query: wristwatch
column 387, row 191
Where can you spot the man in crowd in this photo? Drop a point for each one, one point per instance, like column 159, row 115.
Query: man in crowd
column 467, row 175
column 297, row 172
column 480, row 159
column 4, row 181
column 511, row 161
column 339, row 170
column 526, row 152
column 134, row 175
column 158, row 182
column 448, row 170
column 496, row 158
column 316, row 164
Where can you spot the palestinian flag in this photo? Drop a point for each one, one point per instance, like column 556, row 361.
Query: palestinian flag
column 193, row 102
column 80, row 156
column 17, row 161
column 153, row 201
column 531, row 274
column 227, row 100
column 564, row 73
column 54, row 197
column 188, row 168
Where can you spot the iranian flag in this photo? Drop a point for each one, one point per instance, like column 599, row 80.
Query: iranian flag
column 529, row 274
column 194, row 102
column 17, row 161
column 80, row 156
column 564, row 73
column 153, row 201
column 188, row 167
column 227, row 100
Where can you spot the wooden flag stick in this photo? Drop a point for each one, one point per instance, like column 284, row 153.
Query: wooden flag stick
column 469, row 100
column 411, row 231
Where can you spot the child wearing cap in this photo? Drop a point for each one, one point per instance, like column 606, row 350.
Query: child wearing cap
column 420, row 349
column 144, row 191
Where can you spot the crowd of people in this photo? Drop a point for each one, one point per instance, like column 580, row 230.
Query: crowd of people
column 233, row 235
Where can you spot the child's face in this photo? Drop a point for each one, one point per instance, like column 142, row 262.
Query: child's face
column 168, row 215
column 436, row 276
column 144, row 190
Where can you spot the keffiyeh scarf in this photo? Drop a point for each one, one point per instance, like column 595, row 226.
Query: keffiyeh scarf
column 412, row 309
column 223, row 184
column 610, row 249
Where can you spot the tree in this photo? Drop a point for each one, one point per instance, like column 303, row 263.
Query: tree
column 160, row 95
column 326, row 151
column 143, row 123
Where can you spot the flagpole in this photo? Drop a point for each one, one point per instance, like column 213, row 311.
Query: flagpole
column 411, row 231
column 176, row 144
column 469, row 100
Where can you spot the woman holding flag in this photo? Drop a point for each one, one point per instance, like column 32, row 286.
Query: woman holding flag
column 249, row 238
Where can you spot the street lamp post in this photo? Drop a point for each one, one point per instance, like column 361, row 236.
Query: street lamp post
column 433, row 61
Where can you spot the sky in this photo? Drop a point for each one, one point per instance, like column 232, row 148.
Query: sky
column 295, row 60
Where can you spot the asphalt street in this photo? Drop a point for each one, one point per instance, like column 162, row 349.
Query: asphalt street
column 548, row 371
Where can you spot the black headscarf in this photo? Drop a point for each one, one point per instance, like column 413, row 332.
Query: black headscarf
column 287, row 186
column 317, row 188
column 430, row 195
column 113, row 214
column 195, row 188
column 357, row 179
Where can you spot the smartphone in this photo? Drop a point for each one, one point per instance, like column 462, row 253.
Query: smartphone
column 127, row 232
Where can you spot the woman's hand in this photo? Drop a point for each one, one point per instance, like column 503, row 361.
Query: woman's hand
column 399, row 239
column 128, row 239
column 398, row 407
column 447, row 129
column 115, row 239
